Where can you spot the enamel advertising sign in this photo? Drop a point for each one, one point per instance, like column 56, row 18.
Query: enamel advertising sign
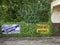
column 10, row 29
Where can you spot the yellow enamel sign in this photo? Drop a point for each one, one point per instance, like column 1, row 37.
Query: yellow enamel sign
column 43, row 28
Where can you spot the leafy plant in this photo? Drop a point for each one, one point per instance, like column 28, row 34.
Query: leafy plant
column 30, row 11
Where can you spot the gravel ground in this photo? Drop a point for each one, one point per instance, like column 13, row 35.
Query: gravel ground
column 30, row 41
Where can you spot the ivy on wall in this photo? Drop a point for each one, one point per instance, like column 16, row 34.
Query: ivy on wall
column 31, row 11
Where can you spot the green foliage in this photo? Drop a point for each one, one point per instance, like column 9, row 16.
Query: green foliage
column 30, row 11
column 28, row 30
column 26, row 13
column 55, row 30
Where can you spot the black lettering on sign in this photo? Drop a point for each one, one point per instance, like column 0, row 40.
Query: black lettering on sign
column 42, row 30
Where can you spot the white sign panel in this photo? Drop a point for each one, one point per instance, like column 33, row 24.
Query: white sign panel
column 55, row 17
column 10, row 29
